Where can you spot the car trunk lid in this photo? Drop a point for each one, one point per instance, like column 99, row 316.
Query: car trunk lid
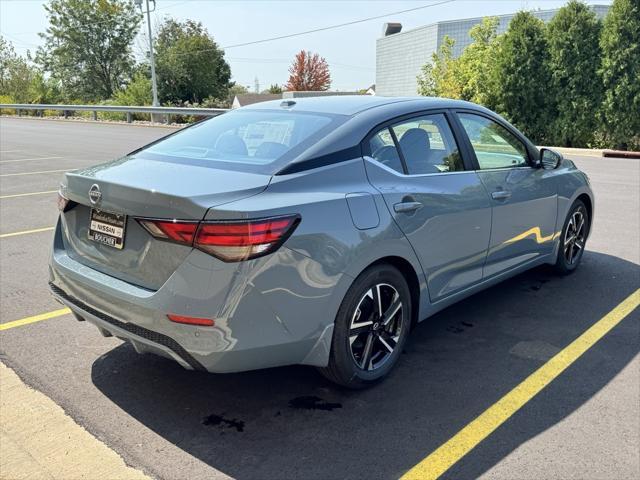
column 138, row 187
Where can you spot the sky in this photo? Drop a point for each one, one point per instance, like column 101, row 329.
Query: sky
column 349, row 50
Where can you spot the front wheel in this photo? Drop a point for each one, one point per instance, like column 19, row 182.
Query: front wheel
column 370, row 329
column 573, row 238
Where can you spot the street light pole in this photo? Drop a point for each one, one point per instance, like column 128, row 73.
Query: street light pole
column 154, row 86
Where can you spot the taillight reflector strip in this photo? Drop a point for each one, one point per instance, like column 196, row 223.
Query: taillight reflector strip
column 203, row 322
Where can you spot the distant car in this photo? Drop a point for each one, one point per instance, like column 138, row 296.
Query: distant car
column 316, row 231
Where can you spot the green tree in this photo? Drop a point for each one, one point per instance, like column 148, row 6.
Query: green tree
column 476, row 67
column 190, row 66
column 43, row 89
column 440, row 77
column 137, row 92
column 523, row 77
column 573, row 36
column 16, row 74
column 620, row 43
column 87, row 47
column 275, row 89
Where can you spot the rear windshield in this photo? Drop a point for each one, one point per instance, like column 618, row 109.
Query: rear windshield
column 260, row 141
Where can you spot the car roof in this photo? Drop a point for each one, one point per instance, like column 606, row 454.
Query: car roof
column 354, row 104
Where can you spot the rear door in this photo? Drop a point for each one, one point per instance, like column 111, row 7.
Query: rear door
column 524, row 197
column 442, row 207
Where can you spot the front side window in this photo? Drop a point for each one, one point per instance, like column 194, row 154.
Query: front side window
column 494, row 145
column 254, row 141
column 427, row 145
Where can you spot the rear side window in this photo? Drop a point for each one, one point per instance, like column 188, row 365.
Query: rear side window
column 425, row 143
column 428, row 146
column 247, row 140
column 494, row 145
column 383, row 149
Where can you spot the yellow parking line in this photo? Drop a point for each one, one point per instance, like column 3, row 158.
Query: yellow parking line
column 27, row 159
column 25, row 232
column 27, row 194
column 32, row 173
column 35, row 318
column 471, row 435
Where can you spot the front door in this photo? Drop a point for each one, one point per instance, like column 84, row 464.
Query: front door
column 442, row 208
column 524, row 197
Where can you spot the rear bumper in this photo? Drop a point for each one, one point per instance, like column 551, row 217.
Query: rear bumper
column 272, row 311
column 142, row 339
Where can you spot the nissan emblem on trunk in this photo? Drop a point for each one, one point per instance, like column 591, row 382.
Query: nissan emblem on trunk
column 94, row 194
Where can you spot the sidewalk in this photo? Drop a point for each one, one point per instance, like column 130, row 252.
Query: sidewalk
column 38, row 440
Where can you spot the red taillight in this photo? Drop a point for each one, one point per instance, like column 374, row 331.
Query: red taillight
column 203, row 322
column 231, row 241
column 244, row 239
column 180, row 232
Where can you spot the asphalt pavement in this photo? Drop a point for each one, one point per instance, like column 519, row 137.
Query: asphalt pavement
column 290, row 422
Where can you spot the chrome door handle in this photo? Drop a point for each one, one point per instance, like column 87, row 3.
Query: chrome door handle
column 500, row 195
column 407, row 207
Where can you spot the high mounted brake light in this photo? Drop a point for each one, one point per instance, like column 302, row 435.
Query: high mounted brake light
column 230, row 241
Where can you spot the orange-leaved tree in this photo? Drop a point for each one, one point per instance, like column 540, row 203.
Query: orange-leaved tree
column 308, row 72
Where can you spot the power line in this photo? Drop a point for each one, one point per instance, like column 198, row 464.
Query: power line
column 297, row 34
column 330, row 27
column 315, row 30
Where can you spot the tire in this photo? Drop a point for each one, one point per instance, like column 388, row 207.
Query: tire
column 573, row 238
column 366, row 347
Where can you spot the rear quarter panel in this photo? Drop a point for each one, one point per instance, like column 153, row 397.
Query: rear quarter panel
column 337, row 250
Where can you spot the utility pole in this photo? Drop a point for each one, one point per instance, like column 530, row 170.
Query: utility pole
column 154, row 85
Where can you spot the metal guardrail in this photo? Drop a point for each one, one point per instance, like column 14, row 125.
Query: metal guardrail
column 166, row 112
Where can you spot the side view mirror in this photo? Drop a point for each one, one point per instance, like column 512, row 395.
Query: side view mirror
column 550, row 159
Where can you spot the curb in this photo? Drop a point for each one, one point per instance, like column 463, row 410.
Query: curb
column 98, row 122
column 620, row 154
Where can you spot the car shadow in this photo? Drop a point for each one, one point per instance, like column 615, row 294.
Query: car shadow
column 291, row 423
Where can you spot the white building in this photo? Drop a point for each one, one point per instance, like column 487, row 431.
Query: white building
column 400, row 55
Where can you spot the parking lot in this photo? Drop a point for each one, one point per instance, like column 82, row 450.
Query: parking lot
column 290, row 422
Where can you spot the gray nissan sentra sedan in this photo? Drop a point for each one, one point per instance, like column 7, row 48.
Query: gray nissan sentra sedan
column 316, row 231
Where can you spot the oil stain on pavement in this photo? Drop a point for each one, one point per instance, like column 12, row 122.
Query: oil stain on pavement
column 214, row 420
column 311, row 402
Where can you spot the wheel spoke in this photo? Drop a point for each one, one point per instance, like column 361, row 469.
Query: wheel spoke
column 570, row 257
column 579, row 244
column 361, row 324
column 366, row 354
column 580, row 225
column 388, row 343
column 392, row 311
column 377, row 300
column 568, row 240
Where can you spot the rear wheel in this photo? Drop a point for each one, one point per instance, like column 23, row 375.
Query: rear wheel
column 370, row 329
column 573, row 238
